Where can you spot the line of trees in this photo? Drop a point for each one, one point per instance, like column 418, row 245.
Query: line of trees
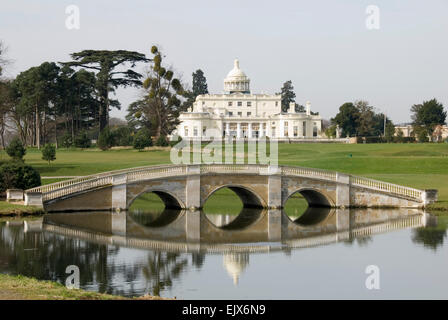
column 68, row 103
column 359, row 119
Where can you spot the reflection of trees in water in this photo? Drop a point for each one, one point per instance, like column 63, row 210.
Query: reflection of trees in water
column 162, row 268
column 46, row 256
column 197, row 259
column 430, row 237
column 362, row 241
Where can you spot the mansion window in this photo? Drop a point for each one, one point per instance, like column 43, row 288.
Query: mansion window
column 249, row 114
column 240, row 103
column 195, row 131
column 186, row 131
column 204, row 129
column 295, row 131
column 304, row 129
column 230, row 113
column 249, row 104
column 276, row 103
column 285, row 129
column 240, row 114
column 230, row 103
column 273, row 132
column 315, row 132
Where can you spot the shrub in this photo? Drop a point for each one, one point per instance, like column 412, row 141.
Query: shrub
column 66, row 140
column 174, row 142
column 142, row 139
column 82, row 140
column 123, row 136
column 422, row 136
column 374, row 139
column 16, row 174
column 106, row 139
column 162, row 141
column 49, row 152
column 15, row 149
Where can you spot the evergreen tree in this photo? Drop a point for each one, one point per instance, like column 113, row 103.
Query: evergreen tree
column 390, row 132
column 16, row 149
column 49, row 152
column 288, row 95
column 199, row 83
column 108, row 78
column 347, row 119
column 428, row 115
column 142, row 139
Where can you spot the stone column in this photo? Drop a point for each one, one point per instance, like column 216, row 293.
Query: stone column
column 342, row 190
column 260, row 132
column 34, row 199
column 274, row 187
column 193, row 187
column 119, row 188
column 119, row 223
column 249, row 130
column 342, row 224
column 238, row 130
column 227, row 128
column 193, row 226
column 274, row 225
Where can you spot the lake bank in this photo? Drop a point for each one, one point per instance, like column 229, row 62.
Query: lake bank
column 8, row 209
column 25, row 288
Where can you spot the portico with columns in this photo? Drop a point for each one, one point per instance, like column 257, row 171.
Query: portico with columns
column 241, row 114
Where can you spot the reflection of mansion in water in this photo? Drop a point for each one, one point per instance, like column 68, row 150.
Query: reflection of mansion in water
column 244, row 115
column 235, row 263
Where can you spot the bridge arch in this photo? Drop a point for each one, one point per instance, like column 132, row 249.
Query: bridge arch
column 170, row 200
column 164, row 219
column 314, row 197
column 249, row 197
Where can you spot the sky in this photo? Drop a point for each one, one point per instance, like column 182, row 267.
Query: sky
column 323, row 46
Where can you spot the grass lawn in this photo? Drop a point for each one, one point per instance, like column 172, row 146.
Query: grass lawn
column 423, row 166
column 24, row 288
column 7, row 209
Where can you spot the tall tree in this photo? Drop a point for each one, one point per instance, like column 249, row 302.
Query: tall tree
column 3, row 60
column 109, row 78
column 365, row 121
column 347, row 119
column 163, row 98
column 199, row 83
column 36, row 89
column 288, row 95
column 428, row 115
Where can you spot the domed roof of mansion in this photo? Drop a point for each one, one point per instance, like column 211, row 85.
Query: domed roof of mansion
column 236, row 80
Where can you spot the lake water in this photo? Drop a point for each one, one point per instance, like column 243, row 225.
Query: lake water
column 258, row 254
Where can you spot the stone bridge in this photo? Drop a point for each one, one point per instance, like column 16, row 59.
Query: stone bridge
column 189, row 187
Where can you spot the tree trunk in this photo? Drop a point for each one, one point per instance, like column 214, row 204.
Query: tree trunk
column 37, row 129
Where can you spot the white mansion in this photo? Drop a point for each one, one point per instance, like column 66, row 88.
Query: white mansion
column 244, row 115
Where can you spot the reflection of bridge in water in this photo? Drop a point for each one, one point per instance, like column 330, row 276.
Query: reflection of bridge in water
column 251, row 231
column 235, row 237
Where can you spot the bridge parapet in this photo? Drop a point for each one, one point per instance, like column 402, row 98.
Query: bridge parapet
column 386, row 187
